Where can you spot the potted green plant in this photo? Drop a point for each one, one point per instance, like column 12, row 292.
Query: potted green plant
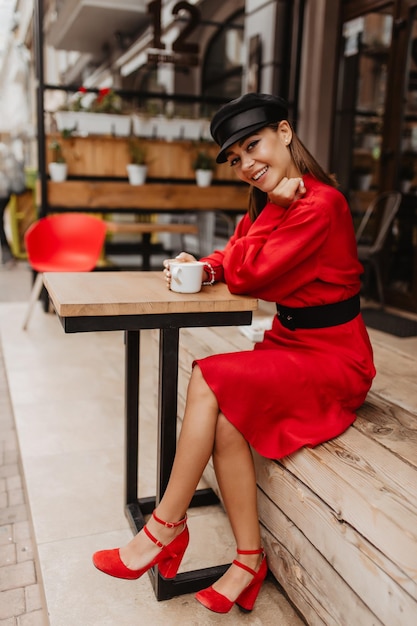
column 203, row 165
column 57, row 168
column 137, row 169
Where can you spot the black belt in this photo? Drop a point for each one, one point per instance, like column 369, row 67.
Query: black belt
column 319, row 316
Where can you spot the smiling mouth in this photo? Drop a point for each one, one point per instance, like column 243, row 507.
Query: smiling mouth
column 258, row 175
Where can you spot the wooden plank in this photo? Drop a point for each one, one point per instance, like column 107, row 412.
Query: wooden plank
column 151, row 196
column 390, row 364
column 141, row 228
column 390, row 425
column 354, row 476
column 134, row 293
column 309, row 580
column 364, row 568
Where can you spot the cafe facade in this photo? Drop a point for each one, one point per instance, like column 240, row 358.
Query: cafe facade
column 348, row 69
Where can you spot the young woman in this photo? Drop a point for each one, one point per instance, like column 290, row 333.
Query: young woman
column 302, row 384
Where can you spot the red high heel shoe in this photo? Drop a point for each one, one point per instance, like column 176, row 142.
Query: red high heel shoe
column 219, row 603
column 168, row 559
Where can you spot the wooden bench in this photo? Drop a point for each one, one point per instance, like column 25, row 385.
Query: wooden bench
column 339, row 522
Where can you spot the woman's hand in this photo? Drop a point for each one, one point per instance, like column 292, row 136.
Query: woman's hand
column 183, row 257
column 287, row 191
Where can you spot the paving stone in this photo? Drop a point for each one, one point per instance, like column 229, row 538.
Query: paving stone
column 18, row 575
column 24, row 551
column 16, row 496
column 12, row 514
column 21, row 531
column 33, row 597
column 9, row 470
column 9, row 441
column 14, row 482
column 6, row 534
column 7, row 554
column 12, row 603
column 36, row 618
column 10, row 456
column 8, row 622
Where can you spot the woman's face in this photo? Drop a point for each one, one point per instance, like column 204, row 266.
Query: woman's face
column 263, row 158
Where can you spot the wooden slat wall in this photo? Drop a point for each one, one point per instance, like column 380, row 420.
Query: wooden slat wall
column 108, row 156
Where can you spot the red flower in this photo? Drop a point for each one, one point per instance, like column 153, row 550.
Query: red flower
column 82, row 90
column 102, row 93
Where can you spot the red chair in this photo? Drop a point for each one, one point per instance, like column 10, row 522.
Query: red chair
column 67, row 242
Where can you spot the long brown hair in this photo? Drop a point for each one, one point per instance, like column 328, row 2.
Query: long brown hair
column 304, row 162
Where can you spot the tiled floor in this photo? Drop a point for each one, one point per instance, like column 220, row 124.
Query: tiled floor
column 66, row 402
column 21, row 599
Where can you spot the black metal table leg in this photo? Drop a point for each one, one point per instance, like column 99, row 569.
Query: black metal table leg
column 137, row 508
column 167, row 405
column 132, row 347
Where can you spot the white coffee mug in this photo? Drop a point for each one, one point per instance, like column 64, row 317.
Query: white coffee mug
column 186, row 277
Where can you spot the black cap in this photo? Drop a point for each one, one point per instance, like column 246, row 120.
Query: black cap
column 242, row 117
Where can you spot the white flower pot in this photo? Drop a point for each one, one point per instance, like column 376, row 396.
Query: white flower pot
column 190, row 129
column 162, row 127
column 58, row 172
column 145, row 126
column 136, row 173
column 203, row 178
column 85, row 123
column 167, row 128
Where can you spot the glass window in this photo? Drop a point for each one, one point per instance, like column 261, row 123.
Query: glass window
column 402, row 260
column 223, row 64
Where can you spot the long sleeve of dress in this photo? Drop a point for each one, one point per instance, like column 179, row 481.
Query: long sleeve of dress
column 287, row 249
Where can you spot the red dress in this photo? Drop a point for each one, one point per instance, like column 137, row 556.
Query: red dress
column 296, row 388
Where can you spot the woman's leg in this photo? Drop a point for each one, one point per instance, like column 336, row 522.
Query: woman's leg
column 194, row 449
column 235, row 472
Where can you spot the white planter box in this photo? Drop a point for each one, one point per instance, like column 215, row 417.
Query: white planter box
column 85, row 123
column 161, row 127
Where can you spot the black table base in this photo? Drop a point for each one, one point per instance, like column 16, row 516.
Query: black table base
column 138, row 508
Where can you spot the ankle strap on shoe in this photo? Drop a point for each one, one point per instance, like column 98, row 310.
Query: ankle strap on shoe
column 245, row 567
column 260, row 551
column 169, row 524
column 152, row 538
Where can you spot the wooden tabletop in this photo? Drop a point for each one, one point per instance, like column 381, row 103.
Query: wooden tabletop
column 87, row 294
